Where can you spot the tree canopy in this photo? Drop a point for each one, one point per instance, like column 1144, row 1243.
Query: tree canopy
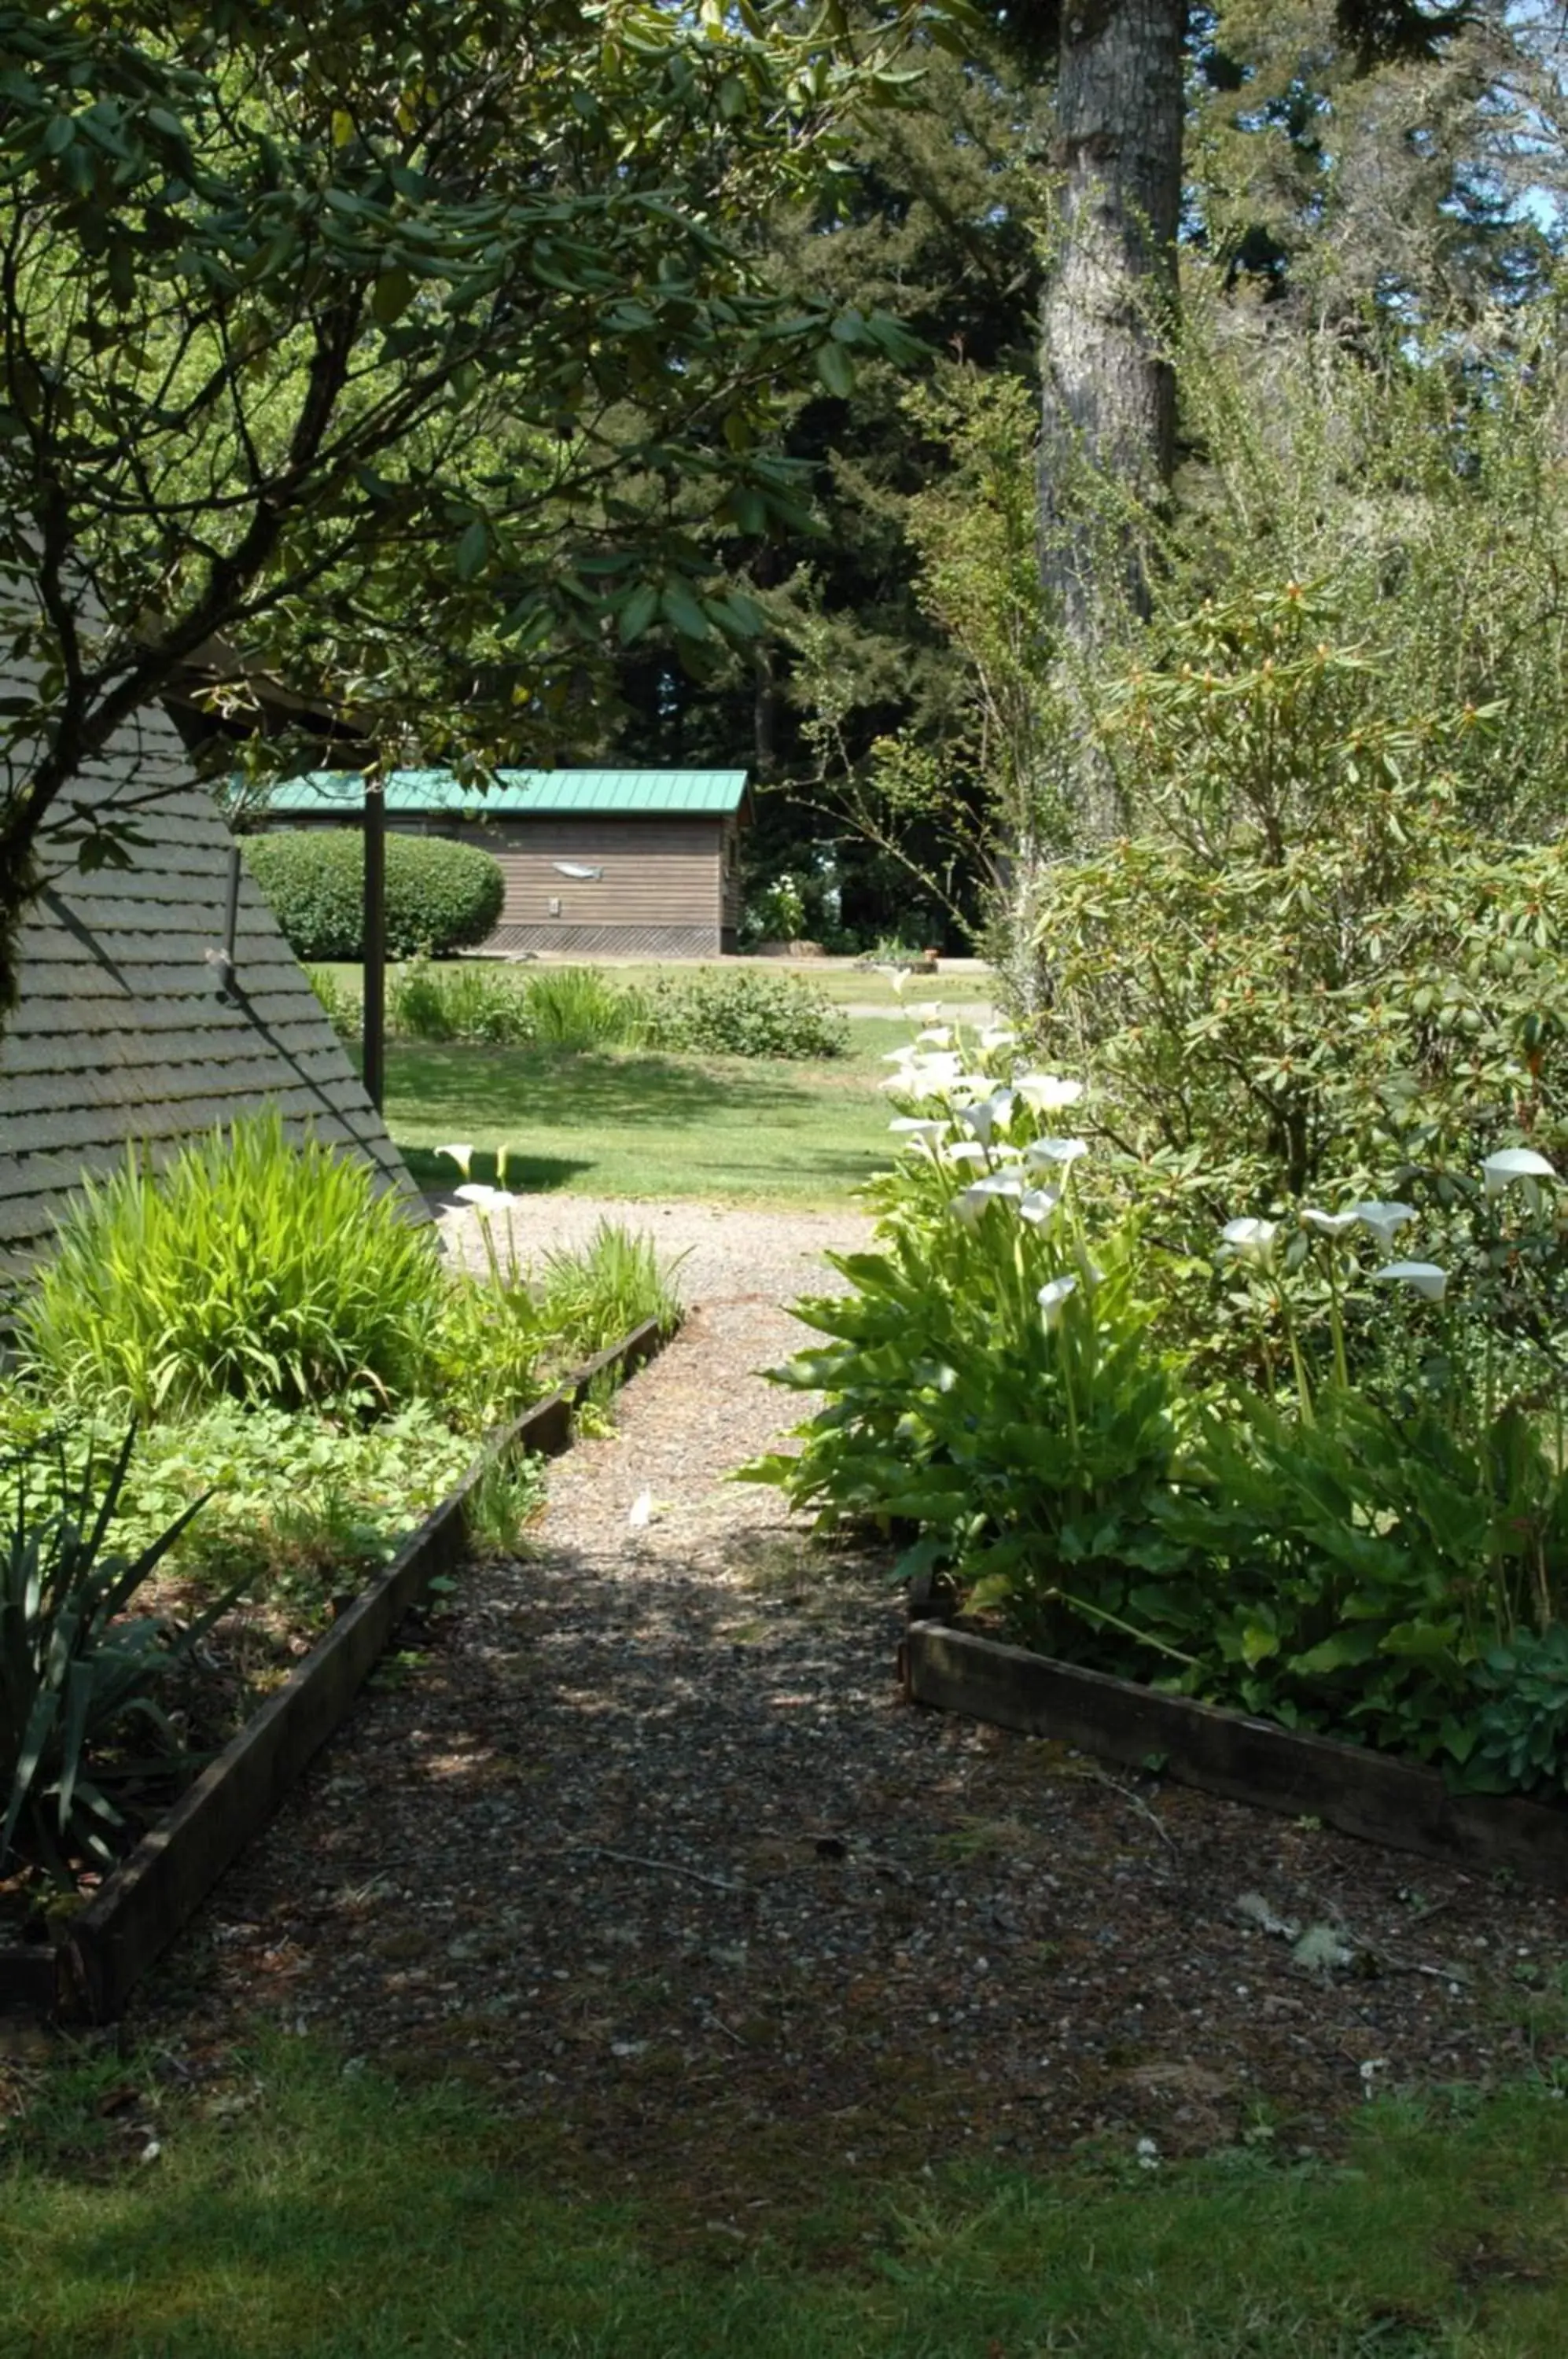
column 376, row 347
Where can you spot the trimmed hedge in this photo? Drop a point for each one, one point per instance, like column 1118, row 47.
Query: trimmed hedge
column 441, row 897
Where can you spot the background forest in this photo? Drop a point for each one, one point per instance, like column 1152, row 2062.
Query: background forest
column 1367, row 348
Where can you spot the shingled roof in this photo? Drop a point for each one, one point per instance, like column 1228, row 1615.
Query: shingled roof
column 127, row 1028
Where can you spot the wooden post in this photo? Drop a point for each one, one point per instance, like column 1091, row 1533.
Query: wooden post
column 374, row 1068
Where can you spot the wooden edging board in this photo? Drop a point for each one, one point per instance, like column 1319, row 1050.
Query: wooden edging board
column 102, row 1952
column 1398, row 1803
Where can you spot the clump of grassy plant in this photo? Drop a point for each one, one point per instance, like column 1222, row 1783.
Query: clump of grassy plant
column 338, row 1004
column 503, row 1502
column 614, row 1284
column 75, row 1666
column 249, row 1267
column 458, row 1003
column 577, row 1008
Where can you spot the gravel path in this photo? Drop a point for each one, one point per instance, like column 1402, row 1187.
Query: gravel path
column 723, row 1251
column 642, row 1839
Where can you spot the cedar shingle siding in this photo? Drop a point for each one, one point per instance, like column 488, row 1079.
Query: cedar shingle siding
column 124, row 1031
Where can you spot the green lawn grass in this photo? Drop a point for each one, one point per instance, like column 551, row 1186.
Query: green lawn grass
column 624, row 1122
column 308, row 2213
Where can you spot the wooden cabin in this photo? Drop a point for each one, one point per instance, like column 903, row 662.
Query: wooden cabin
column 599, row 864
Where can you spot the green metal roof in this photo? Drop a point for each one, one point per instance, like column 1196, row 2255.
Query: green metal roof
column 512, row 792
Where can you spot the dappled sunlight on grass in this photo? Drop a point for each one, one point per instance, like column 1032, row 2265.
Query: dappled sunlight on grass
column 633, row 1123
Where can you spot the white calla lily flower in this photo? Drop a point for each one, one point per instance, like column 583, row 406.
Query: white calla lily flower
column 998, row 1036
column 938, row 1035
column 1249, row 1238
column 461, row 1153
column 1053, row 1297
column 1511, row 1163
column 1330, row 1224
column 1039, row 1204
column 983, row 1117
column 1060, row 1151
column 919, row 1131
column 995, row 1188
column 930, row 1012
column 966, row 1150
column 483, row 1198
column 1047, row 1092
column 1383, row 1220
column 1422, row 1278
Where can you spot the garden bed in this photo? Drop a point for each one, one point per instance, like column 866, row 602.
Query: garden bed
column 99, row 1953
column 1258, row 1762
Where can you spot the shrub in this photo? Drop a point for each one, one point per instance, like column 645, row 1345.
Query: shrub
column 440, row 896
column 742, row 1014
column 1307, row 965
column 249, row 1267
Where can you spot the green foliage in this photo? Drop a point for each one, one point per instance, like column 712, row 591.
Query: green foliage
column 1521, row 1729
column 248, row 1266
column 75, row 1667
column 1311, row 964
column 600, row 1292
column 577, row 1008
column 377, row 413
column 510, row 1332
column 340, row 1008
column 744, row 1014
column 1014, row 1387
column 457, row 1003
column 298, row 1504
column 441, row 897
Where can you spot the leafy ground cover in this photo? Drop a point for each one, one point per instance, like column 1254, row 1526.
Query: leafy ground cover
column 299, row 2205
column 238, row 1383
column 637, row 1124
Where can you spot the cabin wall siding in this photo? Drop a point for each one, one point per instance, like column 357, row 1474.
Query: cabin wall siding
column 124, row 1032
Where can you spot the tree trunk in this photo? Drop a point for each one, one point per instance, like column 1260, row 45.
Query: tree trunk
column 1109, row 388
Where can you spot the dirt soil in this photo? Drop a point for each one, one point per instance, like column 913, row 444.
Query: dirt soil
column 640, row 1838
